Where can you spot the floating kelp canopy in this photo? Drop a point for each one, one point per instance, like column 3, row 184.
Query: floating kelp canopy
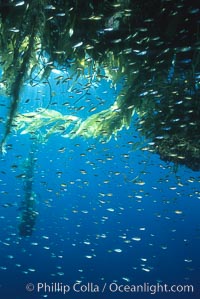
column 154, row 45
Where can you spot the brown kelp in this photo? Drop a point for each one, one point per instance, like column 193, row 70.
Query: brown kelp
column 19, row 30
column 152, row 45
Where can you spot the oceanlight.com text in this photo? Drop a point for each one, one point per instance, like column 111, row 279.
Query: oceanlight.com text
column 113, row 287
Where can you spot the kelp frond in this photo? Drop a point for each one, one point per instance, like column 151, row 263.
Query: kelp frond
column 104, row 124
column 34, row 121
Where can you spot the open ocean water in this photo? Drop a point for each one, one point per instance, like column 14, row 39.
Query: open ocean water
column 108, row 215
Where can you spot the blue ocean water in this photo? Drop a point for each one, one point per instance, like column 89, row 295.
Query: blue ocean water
column 110, row 214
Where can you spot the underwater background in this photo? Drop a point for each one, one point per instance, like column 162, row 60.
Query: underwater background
column 106, row 212
column 100, row 152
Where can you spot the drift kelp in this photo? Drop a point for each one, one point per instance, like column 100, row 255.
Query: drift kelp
column 153, row 46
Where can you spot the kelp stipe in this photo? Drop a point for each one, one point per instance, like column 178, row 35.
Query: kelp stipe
column 28, row 205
